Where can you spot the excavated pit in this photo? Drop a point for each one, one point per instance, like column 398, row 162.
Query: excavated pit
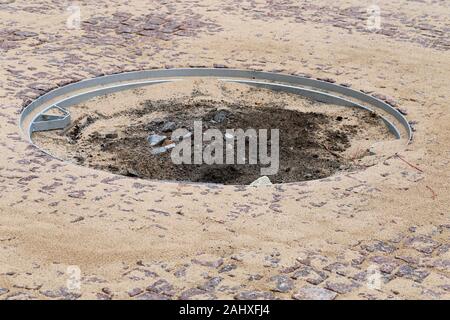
column 316, row 140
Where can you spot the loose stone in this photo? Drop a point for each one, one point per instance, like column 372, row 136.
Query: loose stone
column 314, row 293
column 155, row 139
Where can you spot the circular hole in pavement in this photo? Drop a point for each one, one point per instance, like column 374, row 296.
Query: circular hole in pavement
column 130, row 133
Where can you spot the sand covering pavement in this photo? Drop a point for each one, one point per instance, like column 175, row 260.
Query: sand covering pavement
column 152, row 240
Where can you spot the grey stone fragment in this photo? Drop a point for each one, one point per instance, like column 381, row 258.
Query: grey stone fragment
column 410, row 272
column 381, row 246
column 291, row 268
column 445, row 287
column 337, row 267
column 169, row 126
column 21, row 296
column 78, row 219
column 443, row 249
column 255, row 277
column 25, row 34
column 283, row 283
column 180, row 273
column 134, row 292
column 159, row 150
column 227, row 268
column 161, row 286
column 385, row 264
column 61, row 293
column 211, row 284
column 220, row 116
column 3, row 291
column 342, row 287
column 424, row 244
column 155, row 139
column 441, row 264
column 310, row 275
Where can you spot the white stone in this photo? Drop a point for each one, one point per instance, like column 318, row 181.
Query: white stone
column 262, row 181
column 155, row 139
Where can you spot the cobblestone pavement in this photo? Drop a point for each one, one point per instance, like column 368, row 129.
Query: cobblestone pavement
column 69, row 232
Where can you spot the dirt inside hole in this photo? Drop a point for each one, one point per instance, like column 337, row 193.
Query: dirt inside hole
column 312, row 144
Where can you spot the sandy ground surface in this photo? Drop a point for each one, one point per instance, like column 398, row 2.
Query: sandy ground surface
column 151, row 240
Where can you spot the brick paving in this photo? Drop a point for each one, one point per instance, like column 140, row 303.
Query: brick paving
column 403, row 256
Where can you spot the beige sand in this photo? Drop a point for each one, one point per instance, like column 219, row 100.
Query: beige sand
column 273, row 242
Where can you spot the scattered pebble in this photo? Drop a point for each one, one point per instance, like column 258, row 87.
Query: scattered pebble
column 169, row 126
column 134, row 292
column 77, row 220
column 3, row 291
column 283, row 283
column 155, row 139
column 221, row 116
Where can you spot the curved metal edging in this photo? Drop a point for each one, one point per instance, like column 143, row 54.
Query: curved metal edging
column 70, row 101
column 207, row 72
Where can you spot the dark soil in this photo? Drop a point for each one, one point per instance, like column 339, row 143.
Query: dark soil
column 310, row 143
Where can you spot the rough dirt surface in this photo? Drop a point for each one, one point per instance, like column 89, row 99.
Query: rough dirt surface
column 135, row 239
column 312, row 145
